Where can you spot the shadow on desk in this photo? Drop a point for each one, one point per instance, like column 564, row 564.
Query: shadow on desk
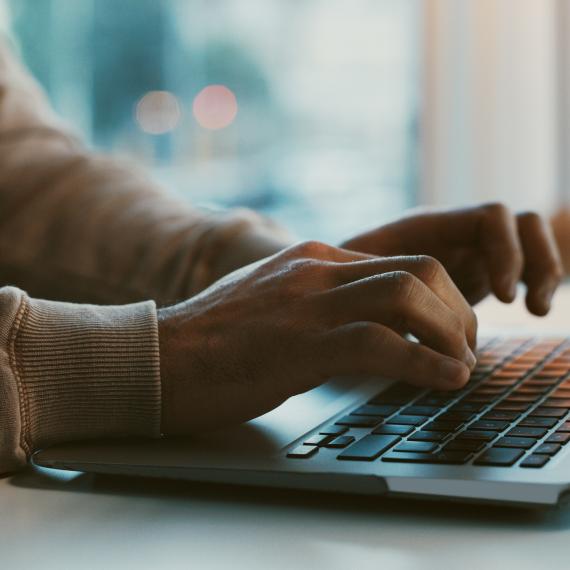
column 473, row 515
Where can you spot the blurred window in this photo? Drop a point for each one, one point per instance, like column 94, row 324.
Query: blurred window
column 304, row 110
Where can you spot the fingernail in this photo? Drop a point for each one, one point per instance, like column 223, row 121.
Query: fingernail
column 511, row 288
column 547, row 298
column 470, row 358
column 452, row 371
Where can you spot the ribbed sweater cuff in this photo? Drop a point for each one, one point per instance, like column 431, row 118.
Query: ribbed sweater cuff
column 87, row 372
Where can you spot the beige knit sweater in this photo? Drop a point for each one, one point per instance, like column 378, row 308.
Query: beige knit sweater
column 82, row 228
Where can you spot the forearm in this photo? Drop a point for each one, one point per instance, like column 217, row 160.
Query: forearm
column 82, row 227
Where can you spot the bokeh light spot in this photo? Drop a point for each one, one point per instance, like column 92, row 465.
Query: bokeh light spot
column 158, row 112
column 215, row 107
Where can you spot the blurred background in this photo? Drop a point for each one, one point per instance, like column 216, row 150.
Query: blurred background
column 328, row 115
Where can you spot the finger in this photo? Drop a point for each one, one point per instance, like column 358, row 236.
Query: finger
column 502, row 250
column 369, row 349
column 429, row 271
column 542, row 266
column 474, row 278
column 491, row 229
column 402, row 301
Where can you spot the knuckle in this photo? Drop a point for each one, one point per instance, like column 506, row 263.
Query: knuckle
column 311, row 249
column 310, row 274
column 428, row 267
column 302, row 267
column 402, row 284
column 366, row 334
column 496, row 209
column 457, row 335
column 456, row 324
column 416, row 359
column 530, row 217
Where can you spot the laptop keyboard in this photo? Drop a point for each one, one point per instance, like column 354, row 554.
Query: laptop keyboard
column 512, row 412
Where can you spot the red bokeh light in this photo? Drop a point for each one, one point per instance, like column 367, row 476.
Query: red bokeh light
column 215, row 107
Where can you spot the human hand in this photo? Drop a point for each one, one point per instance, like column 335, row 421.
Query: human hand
column 286, row 324
column 485, row 249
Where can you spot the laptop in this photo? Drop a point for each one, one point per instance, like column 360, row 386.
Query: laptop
column 503, row 438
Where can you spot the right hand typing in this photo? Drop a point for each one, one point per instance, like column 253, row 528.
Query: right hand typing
column 286, row 324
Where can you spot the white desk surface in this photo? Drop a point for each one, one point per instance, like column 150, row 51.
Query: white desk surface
column 59, row 521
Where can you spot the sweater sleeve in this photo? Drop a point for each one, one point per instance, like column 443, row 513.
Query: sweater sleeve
column 71, row 372
column 79, row 226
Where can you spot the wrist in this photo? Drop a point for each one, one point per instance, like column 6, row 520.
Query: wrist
column 255, row 238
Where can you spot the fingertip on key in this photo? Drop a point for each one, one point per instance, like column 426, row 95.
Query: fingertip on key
column 506, row 288
column 454, row 374
column 470, row 359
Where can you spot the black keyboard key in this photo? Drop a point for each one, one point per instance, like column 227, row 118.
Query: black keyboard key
column 480, row 369
column 416, row 447
column 340, row 442
column 385, row 429
column 525, row 398
column 398, row 456
column 490, row 425
column 359, row 421
column 425, row 435
column 518, row 431
column 318, row 440
column 558, row 437
column 548, row 448
column 473, row 407
column 303, row 452
column 480, row 399
column 407, row 420
column 333, row 430
column 434, row 401
column 477, row 435
column 556, row 403
column 509, row 374
column 549, row 412
column 421, row 411
column 368, row 448
column 446, row 395
column 561, row 393
column 552, row 376
column 397, row 395
column 538, row 381
column 489, row 390
column 452, row 416
column 498, row 415
column 444, row 426
column 458, row 457
column 500, row 457
column 512, row 406
column 464, row 445
column 536, row 391
column 517, row 442
column 374, row 410
column 539, row 422
column 535, row 461
column 504, row 382
column 442, row 458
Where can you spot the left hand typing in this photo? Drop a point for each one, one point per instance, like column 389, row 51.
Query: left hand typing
column 485, row 249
